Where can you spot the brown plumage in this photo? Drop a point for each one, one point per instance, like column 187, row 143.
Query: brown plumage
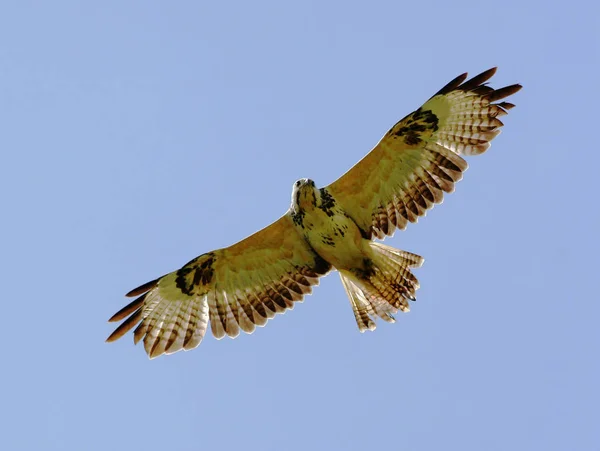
column 407, row 173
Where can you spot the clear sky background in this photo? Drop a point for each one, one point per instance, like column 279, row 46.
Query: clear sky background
column 138, row 135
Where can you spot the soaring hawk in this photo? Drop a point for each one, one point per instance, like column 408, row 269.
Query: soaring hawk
column 246, row 284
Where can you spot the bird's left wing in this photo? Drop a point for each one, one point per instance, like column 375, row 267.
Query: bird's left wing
column 419, row 158
column 238, row 287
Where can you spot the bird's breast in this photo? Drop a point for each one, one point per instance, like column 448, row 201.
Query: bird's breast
column 334, row 236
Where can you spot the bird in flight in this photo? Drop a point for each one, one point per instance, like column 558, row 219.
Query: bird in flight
column 331, row 228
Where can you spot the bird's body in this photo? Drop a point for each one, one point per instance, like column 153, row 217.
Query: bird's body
column 331, row 228
column 326, row 227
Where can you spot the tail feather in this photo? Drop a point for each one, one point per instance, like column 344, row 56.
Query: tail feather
column 384, row 288
column 363, row 311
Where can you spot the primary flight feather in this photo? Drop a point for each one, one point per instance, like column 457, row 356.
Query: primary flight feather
column 331, row 228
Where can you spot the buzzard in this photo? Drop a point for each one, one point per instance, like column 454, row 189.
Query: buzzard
column 334, row 227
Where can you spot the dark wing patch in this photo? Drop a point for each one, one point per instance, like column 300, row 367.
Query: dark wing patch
column 419, row 160
column 197, row 274
column 233, row 289
column 412, row 127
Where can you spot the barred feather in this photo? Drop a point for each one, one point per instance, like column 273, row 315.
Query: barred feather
column 243, row 286
column 226, row 289
column 385, row 289
column 418, row 160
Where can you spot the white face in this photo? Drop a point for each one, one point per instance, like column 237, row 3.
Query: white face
column 301, row 193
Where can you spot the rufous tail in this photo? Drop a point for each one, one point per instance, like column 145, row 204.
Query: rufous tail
column 384, row 288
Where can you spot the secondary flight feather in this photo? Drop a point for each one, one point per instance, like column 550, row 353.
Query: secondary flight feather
column 330, row 228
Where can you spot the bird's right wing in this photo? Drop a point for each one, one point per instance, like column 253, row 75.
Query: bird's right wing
column 238, row 287
column 418, row 160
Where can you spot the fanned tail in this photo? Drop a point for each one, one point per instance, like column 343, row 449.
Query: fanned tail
column 384, row 288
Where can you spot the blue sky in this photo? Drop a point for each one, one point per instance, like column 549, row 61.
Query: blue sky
column 137, row 135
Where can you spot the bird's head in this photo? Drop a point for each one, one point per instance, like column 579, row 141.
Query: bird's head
column 304, row 195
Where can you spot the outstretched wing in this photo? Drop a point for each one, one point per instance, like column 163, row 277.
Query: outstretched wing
column 418, row 159
column 234, row 288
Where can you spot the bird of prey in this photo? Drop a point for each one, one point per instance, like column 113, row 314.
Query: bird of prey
column 331, row 228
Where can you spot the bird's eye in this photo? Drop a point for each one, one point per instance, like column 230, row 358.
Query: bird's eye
column 298, row 183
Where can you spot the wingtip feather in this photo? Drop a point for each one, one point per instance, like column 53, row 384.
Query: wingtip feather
column 478, row 80
column 125, row 326
column 501, row 93
column 128, row 309
column 143, row 288
column 452, row 85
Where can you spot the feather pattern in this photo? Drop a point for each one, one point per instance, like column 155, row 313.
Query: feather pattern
column 418, row 160
column 243, row 286
column 233, row 289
